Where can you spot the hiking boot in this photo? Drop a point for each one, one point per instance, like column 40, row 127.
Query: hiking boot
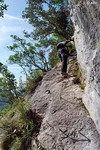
column 65, row 76
column 63, row 73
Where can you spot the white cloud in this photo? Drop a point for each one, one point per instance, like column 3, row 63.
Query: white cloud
column 14, row 67
column 10, row 25
column 8, row 29
column 9, row 17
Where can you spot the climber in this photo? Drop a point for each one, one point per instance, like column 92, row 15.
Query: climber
column 63, row 54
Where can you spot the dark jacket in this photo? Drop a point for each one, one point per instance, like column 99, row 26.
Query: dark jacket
column 62, row 44
column 61, row 48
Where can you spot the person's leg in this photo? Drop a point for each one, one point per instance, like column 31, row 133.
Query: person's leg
column 60, row 56
column 64, row 63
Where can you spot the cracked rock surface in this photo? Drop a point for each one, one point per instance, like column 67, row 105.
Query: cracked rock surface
column 86, row 18
column 66, row 123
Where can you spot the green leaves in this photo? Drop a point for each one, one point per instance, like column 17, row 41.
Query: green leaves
column 9, row 90
column 3, row 7
column 28, row 56
column 7, row 84
column 47, row 18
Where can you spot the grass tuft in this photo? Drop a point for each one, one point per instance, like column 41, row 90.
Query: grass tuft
column 19, row 125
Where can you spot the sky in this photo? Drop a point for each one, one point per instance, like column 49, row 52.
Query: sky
column 12, row 24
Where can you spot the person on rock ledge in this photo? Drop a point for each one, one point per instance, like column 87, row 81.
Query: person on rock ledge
column 63, row 54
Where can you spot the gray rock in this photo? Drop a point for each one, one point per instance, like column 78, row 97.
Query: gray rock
column 86, row 19
column 66, row 123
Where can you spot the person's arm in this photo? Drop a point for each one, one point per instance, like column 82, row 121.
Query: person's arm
column 71, row 54
column 63, row 44
column 67, row 41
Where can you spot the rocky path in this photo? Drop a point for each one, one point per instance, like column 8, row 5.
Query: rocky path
column 66, row 124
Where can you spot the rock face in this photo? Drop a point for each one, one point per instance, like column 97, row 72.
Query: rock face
column 66, row 123
column 86, row 19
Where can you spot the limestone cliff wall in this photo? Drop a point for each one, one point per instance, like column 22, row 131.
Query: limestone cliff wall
column 86, row 18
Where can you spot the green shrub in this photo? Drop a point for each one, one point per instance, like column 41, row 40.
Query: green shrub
column 5, row 110
column 79, row 77
column 19, row 128
column 40, row 148
column 82, row 85
column 33, row 81
column 39, row 145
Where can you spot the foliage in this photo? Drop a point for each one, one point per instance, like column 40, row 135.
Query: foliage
column 82, row 85
column 51, row 24
column 21, row 88
column 4, row 111
column 33, row 81
column 9, row 90
column 79, row 78
column 40, row 147
column 19, row 127
column 3, row 7
column 53, row 58
column 60, row 3
column 7, row 84
column 49, row 17
column 28, row 56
